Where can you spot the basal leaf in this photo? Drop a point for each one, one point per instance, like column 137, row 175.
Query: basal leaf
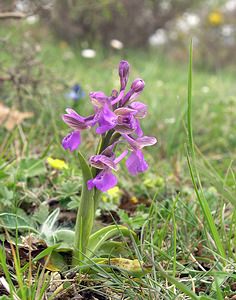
column 13, row 221
column 98, row 238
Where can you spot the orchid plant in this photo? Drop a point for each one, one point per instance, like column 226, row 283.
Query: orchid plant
column 117, row 122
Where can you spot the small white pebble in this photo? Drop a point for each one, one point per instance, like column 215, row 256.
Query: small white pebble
column 205, row 89
column 116, row 44
column 88, row 53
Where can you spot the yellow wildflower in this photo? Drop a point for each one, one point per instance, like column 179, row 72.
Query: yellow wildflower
column 134, row 200
column 57, row 163
column 215, row 18
column 114, row 192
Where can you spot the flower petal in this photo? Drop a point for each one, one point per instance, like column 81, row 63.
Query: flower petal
column 145, row 141
column 104, row 181
column 71, row 141
column 74, row 120
column 140, row 142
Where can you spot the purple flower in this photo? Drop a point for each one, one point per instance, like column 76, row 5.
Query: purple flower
column 106, row 162
column 136, row 162
column 123, row 73
column 106, row 119
column 127, row 118
column 71, row 141
column 98, row 99
column 78, row 123
column 140, row 108
column 104, row 181
column 104, row 115
column 126, row 122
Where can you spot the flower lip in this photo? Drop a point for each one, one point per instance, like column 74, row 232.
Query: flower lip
column 136, row 163
column 104, row 181
column 71, row 141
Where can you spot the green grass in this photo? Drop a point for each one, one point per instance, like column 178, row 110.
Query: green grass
column 187, row 234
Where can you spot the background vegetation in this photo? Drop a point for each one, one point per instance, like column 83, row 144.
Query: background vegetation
column 185, row 220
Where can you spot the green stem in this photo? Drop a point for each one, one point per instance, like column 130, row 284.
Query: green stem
column 85, row 216
column 88, row 205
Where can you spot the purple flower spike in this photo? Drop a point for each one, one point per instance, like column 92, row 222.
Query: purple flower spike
column 71, row 141
column 123, row 73
column 74, row 120
column 117, row 119
column 104, row 181
column 136, row 163
column 138, row 85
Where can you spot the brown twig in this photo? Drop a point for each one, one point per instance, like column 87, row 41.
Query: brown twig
column 12, row 15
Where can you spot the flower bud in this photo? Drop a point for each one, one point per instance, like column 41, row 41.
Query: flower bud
column 137, row 85
column 123, row 73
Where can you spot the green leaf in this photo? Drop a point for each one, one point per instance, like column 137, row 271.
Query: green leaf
column 98, row 238
column 47, row 228
column 42, row 254
column 31, row 167
column 41, row 214
column 56, row 262
column 6, row 196
column 85, row 216
column 65, row 237
column 113, row 249
column 13, row 221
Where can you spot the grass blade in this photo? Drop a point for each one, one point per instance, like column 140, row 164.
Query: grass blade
column 193, row 170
